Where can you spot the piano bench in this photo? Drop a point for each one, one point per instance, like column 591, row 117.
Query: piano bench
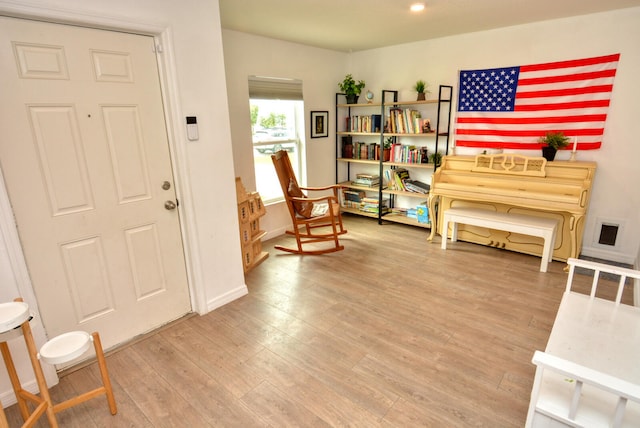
column 544, row 228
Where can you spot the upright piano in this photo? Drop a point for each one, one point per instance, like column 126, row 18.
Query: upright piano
column 515, row 184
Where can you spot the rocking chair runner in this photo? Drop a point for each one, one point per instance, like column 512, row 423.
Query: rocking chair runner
column 315, row 220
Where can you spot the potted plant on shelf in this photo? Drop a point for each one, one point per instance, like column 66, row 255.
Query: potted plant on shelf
column 436, row 157
column 552, row 141
column 421, row 88
column 388, row 142
column 351, row 88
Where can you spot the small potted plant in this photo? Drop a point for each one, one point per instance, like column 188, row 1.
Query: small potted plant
column 351, row 88
column 552, row 141
column 436, row 157
column 388, row 142
column 421, row 88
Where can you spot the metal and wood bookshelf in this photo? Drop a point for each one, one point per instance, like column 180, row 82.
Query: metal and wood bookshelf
column 435, row 140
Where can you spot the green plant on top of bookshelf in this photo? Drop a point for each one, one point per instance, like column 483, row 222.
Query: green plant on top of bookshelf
column 421, row 88
column 351, row 88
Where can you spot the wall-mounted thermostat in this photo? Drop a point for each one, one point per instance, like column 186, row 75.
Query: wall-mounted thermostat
column 192, row 128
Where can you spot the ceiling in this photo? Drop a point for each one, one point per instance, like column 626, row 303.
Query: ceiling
column 354, row 25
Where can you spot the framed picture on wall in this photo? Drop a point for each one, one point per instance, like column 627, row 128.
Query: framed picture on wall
column 319, row 124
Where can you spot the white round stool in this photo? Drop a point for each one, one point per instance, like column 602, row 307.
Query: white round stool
column 66, row 347
column 15, row 320
column 12, row 315
column 69, row 346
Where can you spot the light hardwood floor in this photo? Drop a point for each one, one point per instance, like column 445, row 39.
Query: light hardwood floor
column 391, row 332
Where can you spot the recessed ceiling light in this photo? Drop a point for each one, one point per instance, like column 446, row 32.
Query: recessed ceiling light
column 417, row 7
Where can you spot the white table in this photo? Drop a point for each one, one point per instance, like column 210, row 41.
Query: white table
column 600, row 336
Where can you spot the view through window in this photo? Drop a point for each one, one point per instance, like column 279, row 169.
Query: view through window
column 276, row 125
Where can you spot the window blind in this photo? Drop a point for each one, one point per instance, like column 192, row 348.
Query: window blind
column 272, row 88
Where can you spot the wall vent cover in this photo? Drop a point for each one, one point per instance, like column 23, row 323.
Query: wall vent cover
column 608, row 234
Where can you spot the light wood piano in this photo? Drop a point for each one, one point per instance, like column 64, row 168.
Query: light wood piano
column 515, row 184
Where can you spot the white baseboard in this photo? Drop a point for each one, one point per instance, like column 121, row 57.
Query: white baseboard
column 274, row 233
column 608, row 255
column 227, row 297
column 8, row 397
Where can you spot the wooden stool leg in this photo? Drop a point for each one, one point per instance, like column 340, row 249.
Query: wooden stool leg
column 3, row 418
column 102, row 365
column 15, row 381
column 37, row 369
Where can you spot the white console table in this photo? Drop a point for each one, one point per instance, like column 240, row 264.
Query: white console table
column 589, row 373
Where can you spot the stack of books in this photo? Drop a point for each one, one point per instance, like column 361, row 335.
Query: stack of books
column 372, row 205
column 352, row 198
column 420, row 213
column 366, row 180
column 416, row 186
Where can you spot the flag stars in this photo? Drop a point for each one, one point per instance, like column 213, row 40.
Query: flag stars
column 488, row 90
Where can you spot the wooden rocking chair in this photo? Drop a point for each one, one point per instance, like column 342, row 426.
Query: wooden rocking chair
column 315, row 220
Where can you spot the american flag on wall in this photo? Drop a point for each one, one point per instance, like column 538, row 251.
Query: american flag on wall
column 511, row 107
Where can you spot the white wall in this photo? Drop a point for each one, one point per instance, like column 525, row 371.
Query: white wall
column 615, row 196
column 320, row 71
column 194, row 81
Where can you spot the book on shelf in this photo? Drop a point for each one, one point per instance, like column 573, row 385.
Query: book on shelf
column 364, row 151
column 397, row 178
column 366, row 182
column 372, row 205
column 367, row 176
column 347, row 146
column 353, row 195
column 364, row 123
column 416, row 186
column 376, row 122
column 422, row 213
column 399, row 211
column 409, row 154
column 363, row 179
column 407, row 121
column 351, row 204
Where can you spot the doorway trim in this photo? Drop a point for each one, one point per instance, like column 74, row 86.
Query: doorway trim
column 169, row 89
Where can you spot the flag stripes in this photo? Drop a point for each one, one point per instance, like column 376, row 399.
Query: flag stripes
column 511, row 107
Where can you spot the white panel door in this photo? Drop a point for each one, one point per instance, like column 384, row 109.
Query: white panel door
column 86, row 163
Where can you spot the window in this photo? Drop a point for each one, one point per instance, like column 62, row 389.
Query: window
column 277, row 123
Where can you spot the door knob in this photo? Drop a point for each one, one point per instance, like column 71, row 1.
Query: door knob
column 166, row 185
column 170, row 205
